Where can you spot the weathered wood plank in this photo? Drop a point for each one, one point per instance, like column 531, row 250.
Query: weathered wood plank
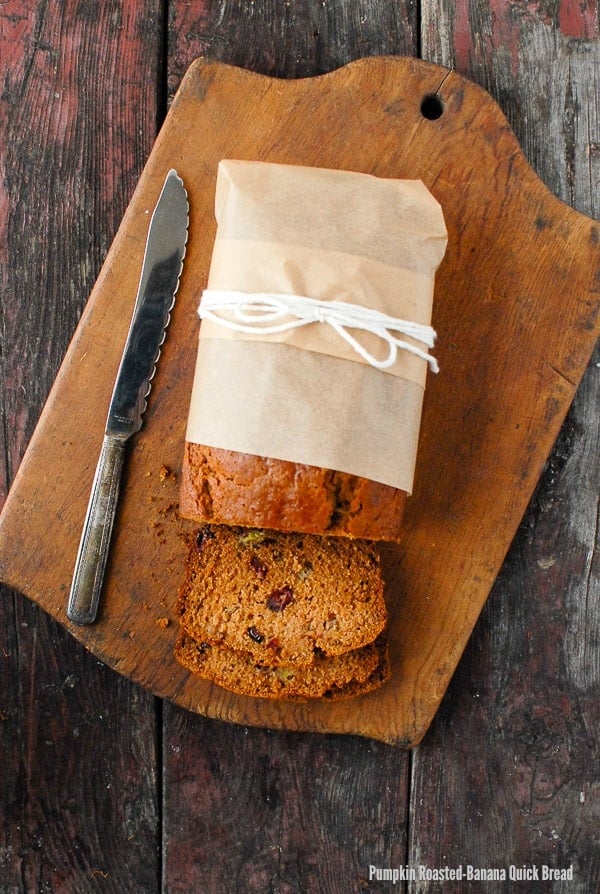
column 247, row 809
column 290, row 39
column 250, row 810
column 509, row 771
column 78, row 788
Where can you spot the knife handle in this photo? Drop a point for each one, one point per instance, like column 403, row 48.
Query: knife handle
column 95, row 538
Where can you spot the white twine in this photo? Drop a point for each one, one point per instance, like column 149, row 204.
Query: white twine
column 250, row 309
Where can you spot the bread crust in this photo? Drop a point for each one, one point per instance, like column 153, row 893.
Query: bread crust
column 346, row 676
column 226, row 487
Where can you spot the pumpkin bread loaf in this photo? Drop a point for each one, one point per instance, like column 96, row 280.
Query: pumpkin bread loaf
column 344, row 676
column 226, row 487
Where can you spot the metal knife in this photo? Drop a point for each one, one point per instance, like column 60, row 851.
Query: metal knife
column 159, row 280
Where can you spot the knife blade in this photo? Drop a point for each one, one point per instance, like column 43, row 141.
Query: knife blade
column 158, row 284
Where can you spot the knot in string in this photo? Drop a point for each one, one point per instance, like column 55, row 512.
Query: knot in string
column 268, row 313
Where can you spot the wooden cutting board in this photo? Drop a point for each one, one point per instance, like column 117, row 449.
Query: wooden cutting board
column 516, row 314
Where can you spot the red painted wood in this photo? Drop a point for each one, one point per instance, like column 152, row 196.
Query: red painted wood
column 79, row 787
column 579, row 20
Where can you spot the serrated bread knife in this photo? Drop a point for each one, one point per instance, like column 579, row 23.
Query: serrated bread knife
column 161, row 269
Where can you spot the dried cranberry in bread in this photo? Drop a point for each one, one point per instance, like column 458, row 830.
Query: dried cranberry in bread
column 343, row 676
column 282, row 598
column 226, row 487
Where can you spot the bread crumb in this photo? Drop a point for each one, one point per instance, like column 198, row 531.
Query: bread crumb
column 166, row 472
column 162, row 622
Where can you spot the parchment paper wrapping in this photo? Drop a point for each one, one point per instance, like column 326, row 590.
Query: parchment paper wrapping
column 305, row 395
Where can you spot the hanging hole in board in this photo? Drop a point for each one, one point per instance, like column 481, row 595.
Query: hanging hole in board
column 432, row 107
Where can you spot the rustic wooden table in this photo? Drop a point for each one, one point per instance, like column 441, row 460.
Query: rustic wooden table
column 104, row 787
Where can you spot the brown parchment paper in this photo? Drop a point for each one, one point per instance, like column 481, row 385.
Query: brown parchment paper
column 306, row 396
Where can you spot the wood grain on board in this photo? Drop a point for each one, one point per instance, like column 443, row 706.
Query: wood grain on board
column 516, row 310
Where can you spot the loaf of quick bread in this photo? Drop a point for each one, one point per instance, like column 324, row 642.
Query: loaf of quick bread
column 303, row 425
column 305, row 419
